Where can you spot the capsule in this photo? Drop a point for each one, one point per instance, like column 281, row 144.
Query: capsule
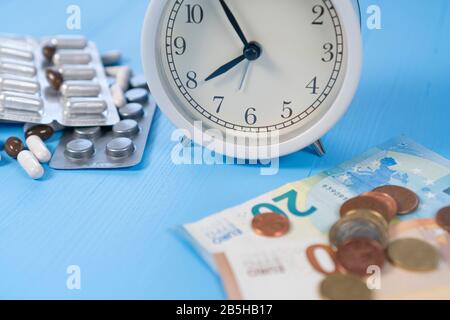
column 39, row 149
column 77, row 73
column 71, row 89
column 71, row 57
column 111, row 58
column 21, row 102
column 30, row 164
column 118, row 96
column 123, row 78
column 15, row 53
column 17, row 68
column 18, row 84
column 69, row 42
column 80, row 106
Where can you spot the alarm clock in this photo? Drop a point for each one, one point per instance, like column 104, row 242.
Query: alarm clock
column 240, row 71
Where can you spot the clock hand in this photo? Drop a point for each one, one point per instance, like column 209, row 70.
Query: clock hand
column 244, row 77
column 234, row 22
column 226, row 67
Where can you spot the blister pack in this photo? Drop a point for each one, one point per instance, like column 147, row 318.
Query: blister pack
column 119, row 146
column 58, row 78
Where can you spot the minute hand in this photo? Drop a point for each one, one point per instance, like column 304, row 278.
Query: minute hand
column 234, row 22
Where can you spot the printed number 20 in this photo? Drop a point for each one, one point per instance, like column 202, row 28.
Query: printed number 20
column 291, row 198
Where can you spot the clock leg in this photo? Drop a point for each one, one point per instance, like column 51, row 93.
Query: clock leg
column 319, row 148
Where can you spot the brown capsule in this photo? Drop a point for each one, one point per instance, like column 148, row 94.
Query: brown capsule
column 270, row 225
column 407, row 200
column 14, row 146
column 55, row 79
column 356, row 255
column 443, row 218
column 49, row 51
column 41, row 130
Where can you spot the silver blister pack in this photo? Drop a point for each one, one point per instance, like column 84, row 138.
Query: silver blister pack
column 119, row 146
column 83, row 97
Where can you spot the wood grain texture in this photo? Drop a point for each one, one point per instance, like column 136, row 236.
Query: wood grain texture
column 120, row 226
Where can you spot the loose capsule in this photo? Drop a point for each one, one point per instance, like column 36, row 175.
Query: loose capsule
column 118, row 96
column 69, row 57
column 69, row 42
column 111, row 58
column 21, row 102
column 123, row 78
column 72, row 89
column 15, row 53
column 43, row 131
column 19, row 84
column 85, row 106
column 30, row 164
column 13, row 146
column 39, row 149
column 17, row 68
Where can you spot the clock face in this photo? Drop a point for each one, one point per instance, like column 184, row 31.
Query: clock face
column 282, row 72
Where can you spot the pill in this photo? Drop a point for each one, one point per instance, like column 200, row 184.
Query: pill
column 71, row 89
column 118, row 96
column 131, row 111
column 69, row 42
column 48, row 51
column 16, row 53
column 54, row 78
column 43, row 131
column 126, row 128
column 19, row 84
column 54, row 125
column 13, row 146
column 86, row 106
column 139, row 81
column 111, row 58
column 80, row 149
column 89, row 133
column 77, row 73
column 137, row 95
column 17, row 68
column 113, row 71
column 123, row 78
column 120, row 148
column 30, row 164
column 21, row 102
column 39, row 149
column 70, row 57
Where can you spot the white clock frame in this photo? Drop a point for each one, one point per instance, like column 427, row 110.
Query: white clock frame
column 150, row 61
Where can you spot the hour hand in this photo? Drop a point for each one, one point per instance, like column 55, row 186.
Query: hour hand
column 226, row 67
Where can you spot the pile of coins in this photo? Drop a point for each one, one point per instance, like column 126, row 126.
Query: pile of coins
column 360, row 240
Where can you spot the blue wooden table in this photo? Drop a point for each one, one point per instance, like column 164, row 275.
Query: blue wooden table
column 119, row 227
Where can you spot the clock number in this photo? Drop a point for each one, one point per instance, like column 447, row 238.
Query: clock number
column 313, row 86
column 220, row 99
column 319, row 11
column 329, row 55
column 192, row 80
column 180, row 44
column 194, row 13
column 250, row 116
column 287, row 111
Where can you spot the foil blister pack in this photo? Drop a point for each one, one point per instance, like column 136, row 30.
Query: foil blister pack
column 51, row 79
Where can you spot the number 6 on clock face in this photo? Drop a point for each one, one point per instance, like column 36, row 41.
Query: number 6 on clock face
column 253, row 67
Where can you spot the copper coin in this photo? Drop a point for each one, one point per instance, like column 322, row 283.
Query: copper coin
column 443, row 218
column 367, row 202
column 390, row 203
column 356, row 255
column 270, row 225
column 13, row 146
column 407, row 200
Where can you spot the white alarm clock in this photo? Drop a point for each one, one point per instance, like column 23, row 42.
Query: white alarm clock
column 250, row 69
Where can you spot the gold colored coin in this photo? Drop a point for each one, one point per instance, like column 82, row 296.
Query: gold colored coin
column 344, row 287
column 413, row 255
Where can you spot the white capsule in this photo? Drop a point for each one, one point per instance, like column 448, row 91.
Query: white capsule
column 30, row 164
column 85, row 106
column 113, row 71
column 16, row 53
column 111, row 58
column 20, row 102
column 71, row 57
column 123, row 78
column 39, row 149
column 17, row 68
column 118, row 96
column 69, row 42
column 18, row 84
column 77, row 73
column 71, row 89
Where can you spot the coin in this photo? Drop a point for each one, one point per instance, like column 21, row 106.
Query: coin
column 390, row 203
column 360, row 223
column 443, row 218
column 371, row 202
column 407, row 201
column 344, row 287
column 413, row 254
column 270, row 225
column 356, row 255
